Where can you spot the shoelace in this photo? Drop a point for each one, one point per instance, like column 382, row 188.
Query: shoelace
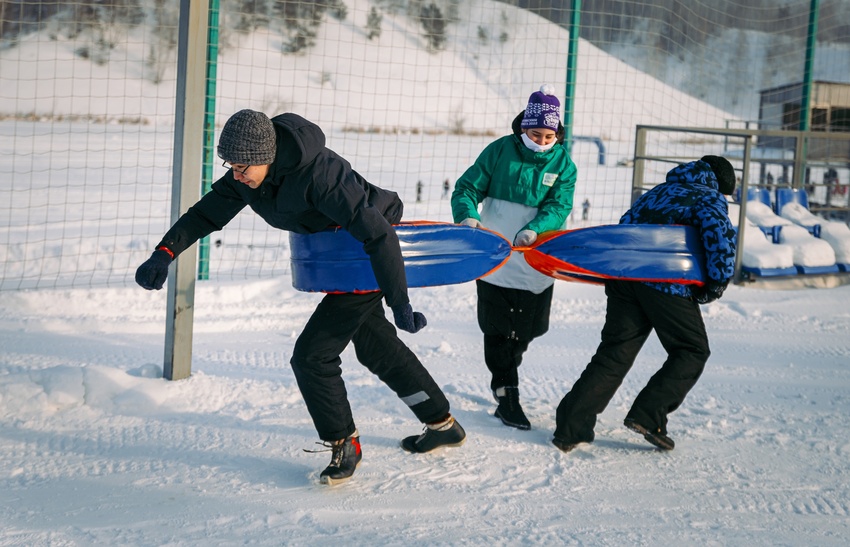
column 328, row 447
column 336, row 449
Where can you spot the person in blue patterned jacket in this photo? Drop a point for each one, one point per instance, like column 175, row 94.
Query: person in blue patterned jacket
column 693, row 194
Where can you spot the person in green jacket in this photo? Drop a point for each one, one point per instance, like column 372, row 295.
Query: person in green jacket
column 520, row 186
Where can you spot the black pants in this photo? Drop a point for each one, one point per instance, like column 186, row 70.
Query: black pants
column 634, row 309
column 510, row 319
column 358, row 318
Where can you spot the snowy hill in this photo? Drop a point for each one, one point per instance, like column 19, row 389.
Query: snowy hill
column 349, row 81
column 744, row 67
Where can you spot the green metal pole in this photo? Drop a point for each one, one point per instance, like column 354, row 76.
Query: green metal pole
column 572, row 64
column 209, row 131
column 806, row 99
column 811, row 44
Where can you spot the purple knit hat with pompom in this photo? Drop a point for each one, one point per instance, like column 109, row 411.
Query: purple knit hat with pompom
column 543, row 110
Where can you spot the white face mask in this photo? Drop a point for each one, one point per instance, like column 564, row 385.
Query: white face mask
column 534, row 147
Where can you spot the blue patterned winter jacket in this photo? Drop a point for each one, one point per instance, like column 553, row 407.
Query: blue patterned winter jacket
column 690, row 196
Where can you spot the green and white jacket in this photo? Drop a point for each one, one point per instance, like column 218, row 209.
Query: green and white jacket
column 517, row 189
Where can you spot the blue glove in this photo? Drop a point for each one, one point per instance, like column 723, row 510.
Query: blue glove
column 709, row 292
column 153, row 271
column 408, row 320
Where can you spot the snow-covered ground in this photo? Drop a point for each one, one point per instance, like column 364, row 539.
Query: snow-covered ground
column 97, row 449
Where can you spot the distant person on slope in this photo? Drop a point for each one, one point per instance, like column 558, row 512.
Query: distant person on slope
column 524, row 183
column 693, row 194
column 281, row 168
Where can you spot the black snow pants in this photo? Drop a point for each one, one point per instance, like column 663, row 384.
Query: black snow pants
column 358, row 318
column 510, row 319
column 633, row 310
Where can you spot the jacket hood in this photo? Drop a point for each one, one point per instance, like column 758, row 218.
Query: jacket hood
column 695, row 172
column 299, row 141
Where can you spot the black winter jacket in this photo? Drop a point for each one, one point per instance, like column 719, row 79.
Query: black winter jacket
column 308, row 189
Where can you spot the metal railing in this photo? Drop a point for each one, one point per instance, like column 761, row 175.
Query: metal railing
column 749, row 155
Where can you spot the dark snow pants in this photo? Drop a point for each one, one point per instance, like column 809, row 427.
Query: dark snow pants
column 358, row 318
column 634, row 309
column 510, row 319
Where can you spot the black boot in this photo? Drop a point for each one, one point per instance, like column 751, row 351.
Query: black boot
column 655, row 438
column 448, row 433
column 345, row 458
column 509, row 410
column 562, row 445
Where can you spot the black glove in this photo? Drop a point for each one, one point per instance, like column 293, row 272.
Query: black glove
column 709, row 292
column 408, row 320
column 153, row 271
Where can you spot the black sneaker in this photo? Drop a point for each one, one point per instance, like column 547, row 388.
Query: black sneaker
column 345, row 458
column 509, row 410
column 451, row 434
column 563, row 446
column 657, row 439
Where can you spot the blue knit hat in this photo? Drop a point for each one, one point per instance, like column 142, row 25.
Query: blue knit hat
column 543, row 110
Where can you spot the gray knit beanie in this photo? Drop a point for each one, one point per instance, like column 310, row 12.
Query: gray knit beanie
column 248, row 138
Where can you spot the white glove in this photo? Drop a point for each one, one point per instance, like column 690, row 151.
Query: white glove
column 471, row 222
column 525, row 238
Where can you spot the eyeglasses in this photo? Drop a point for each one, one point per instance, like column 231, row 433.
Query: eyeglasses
column 235, row 170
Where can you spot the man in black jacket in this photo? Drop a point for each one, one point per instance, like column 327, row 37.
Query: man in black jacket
column 281, row 168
